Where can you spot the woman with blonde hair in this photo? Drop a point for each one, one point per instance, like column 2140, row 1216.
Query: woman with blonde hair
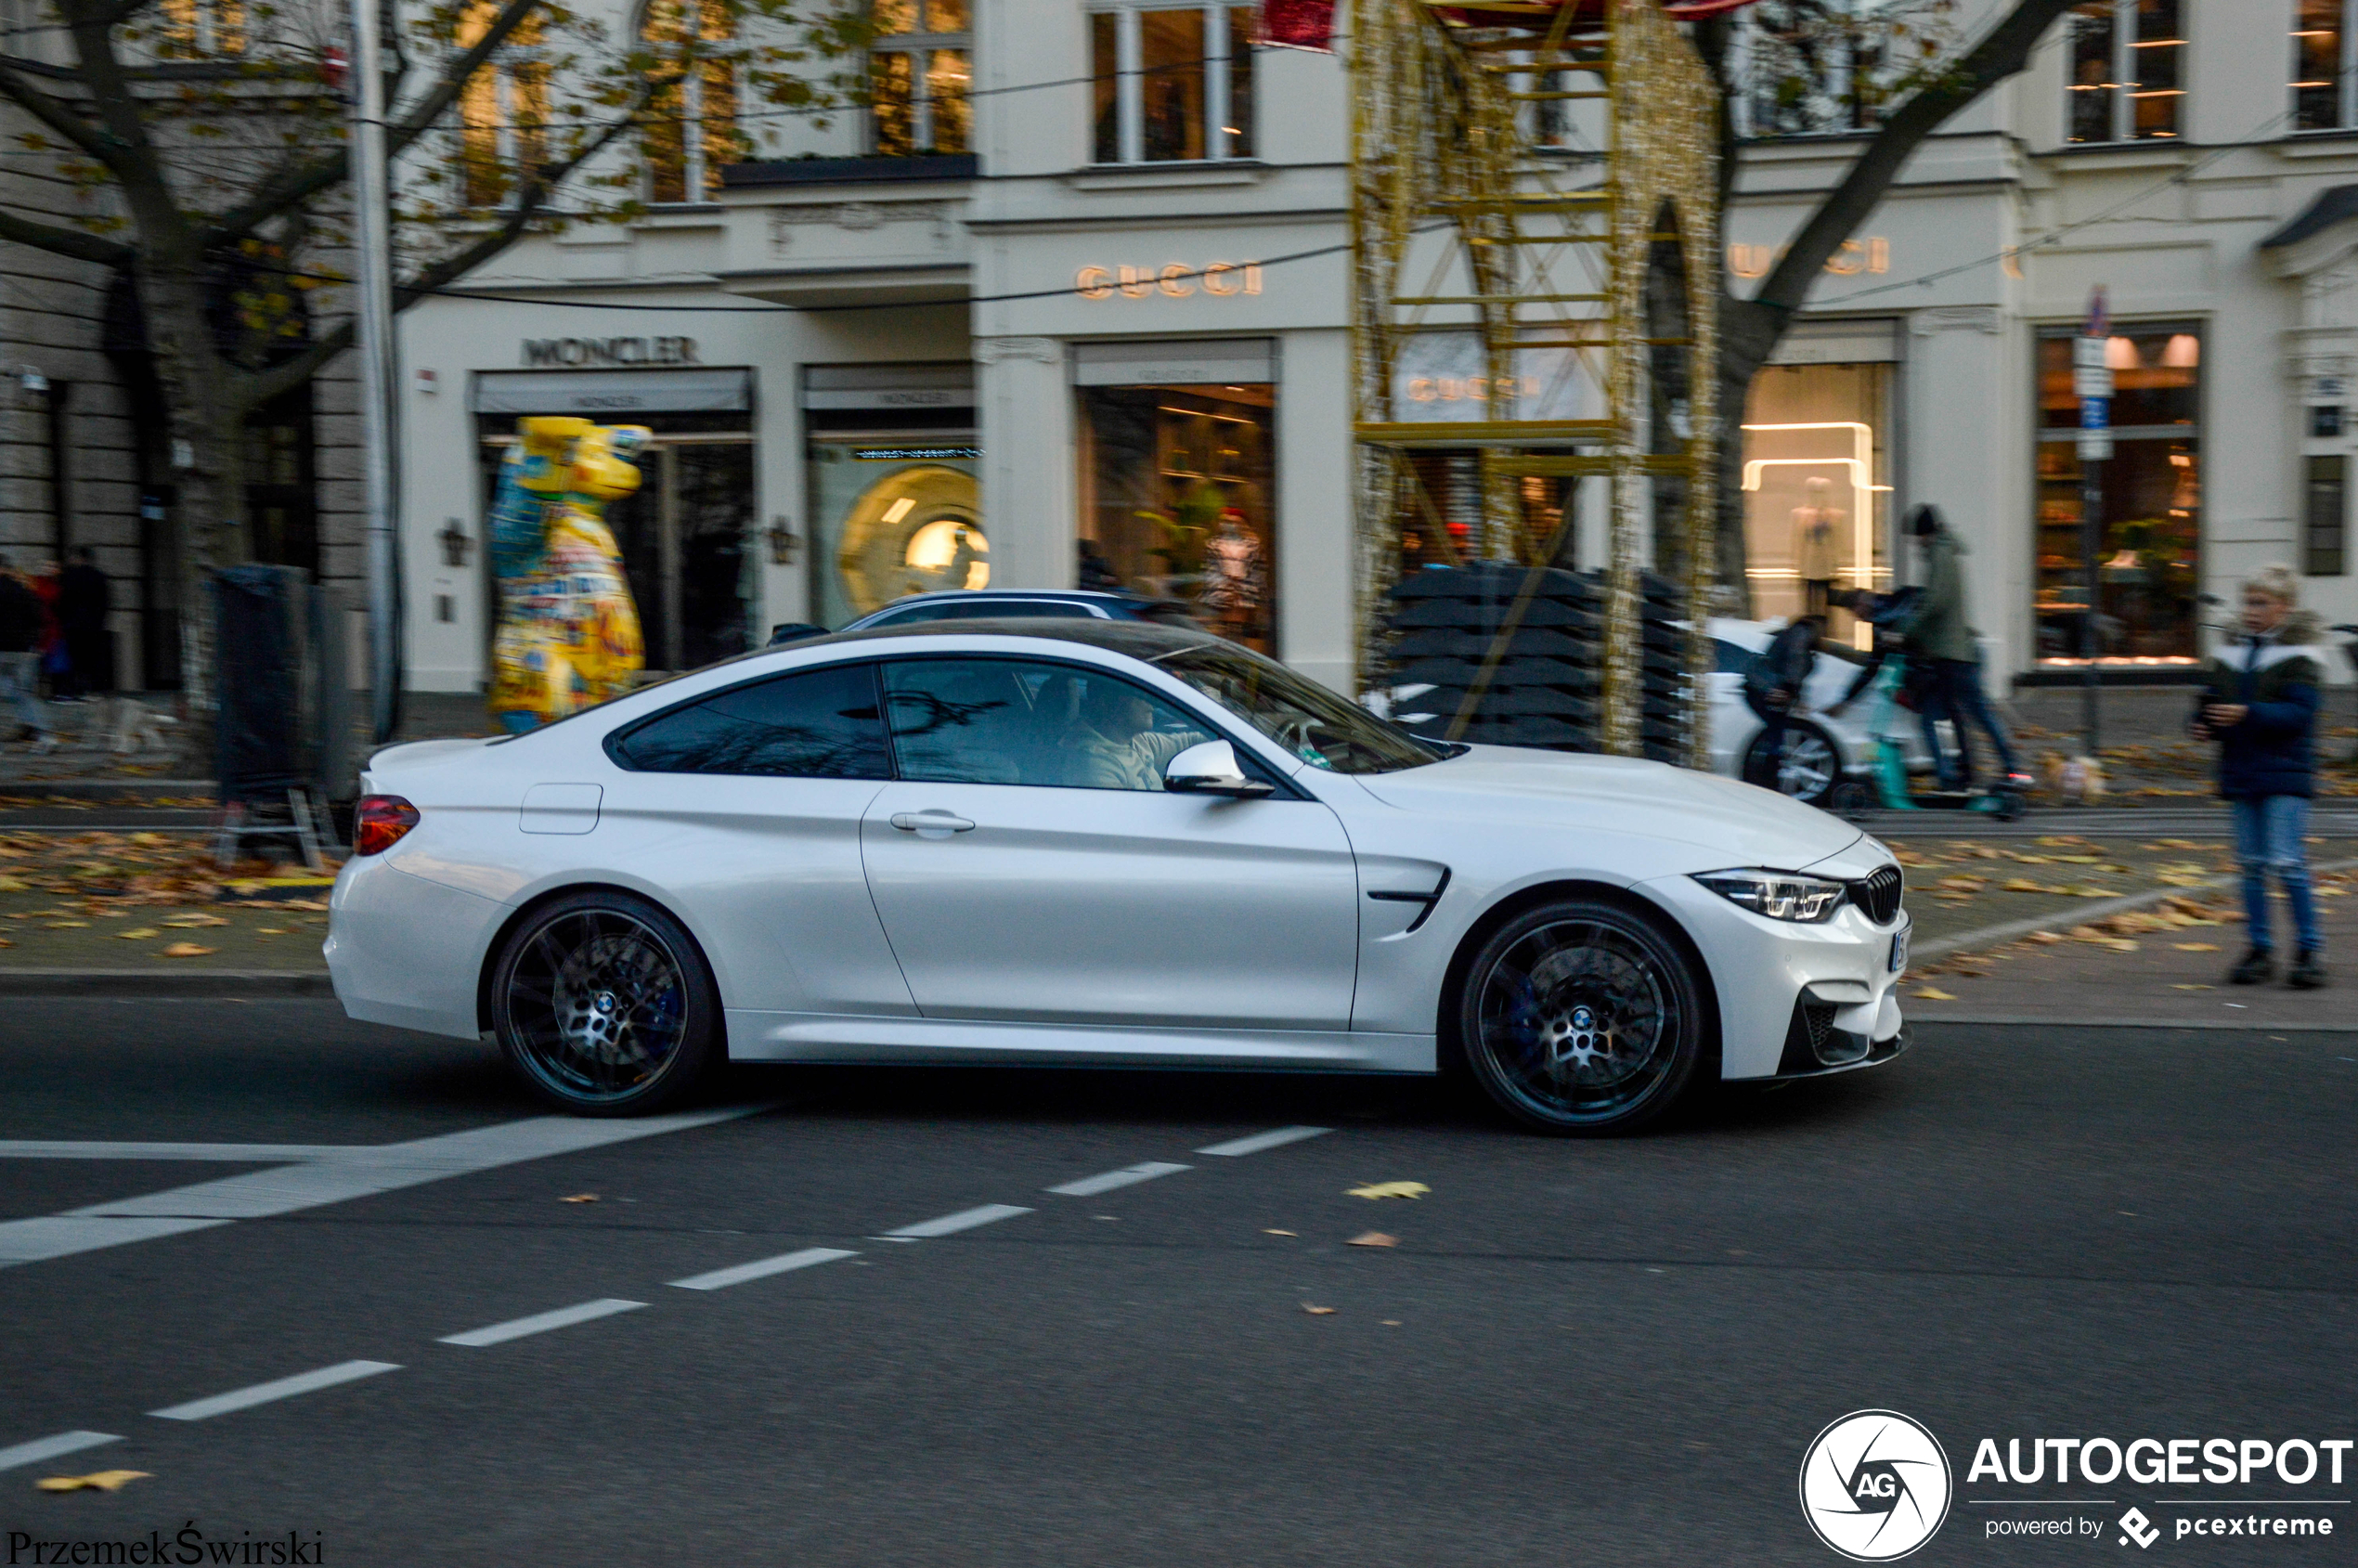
column 2260, row 703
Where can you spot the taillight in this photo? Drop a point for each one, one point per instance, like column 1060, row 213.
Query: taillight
column 378, row 823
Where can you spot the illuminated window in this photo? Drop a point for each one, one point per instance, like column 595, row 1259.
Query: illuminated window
column 692, row 115
column 195, row 29
column 503, row 110
column 1172, row 85
column 920, row 71
column 2327, row 517
column 2321, row 98
column 2128, row 66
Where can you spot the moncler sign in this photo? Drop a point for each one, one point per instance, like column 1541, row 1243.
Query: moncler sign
column 586, row 352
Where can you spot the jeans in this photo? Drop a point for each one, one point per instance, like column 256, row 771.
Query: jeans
column 2269, row 837
column 1958, row 696
column 20, row 684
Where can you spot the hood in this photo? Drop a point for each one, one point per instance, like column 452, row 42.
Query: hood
column 1733, row 823
column 2301, row 629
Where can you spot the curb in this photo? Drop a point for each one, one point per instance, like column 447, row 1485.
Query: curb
column 164, row 982
column 107, row 789
column 1990, row 936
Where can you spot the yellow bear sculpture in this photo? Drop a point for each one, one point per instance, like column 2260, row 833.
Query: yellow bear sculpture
column 568, row 633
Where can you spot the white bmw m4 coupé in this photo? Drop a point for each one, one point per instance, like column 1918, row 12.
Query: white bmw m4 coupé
column 1091, row 842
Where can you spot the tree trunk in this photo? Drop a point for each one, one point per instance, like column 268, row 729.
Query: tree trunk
column 206, row 422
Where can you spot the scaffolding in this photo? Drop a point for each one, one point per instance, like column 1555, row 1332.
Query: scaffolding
column 1535, row 218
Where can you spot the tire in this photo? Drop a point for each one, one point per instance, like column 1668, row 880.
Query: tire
column 1851, row 798
column 604, row 1005
column 1812, row 765
column 1581, row 1019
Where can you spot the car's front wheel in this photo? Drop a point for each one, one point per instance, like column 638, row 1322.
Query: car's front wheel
column 1582, row 1017
column 604, row 1004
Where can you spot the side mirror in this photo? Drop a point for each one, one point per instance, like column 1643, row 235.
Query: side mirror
column 1211, row 769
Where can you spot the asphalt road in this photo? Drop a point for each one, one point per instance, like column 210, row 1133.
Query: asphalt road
column 1577, row 1352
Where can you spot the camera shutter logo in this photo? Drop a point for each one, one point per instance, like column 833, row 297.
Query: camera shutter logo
column 1876, row 1485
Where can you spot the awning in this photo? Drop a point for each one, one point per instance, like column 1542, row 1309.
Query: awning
column 1175, row 362
column 599, row 394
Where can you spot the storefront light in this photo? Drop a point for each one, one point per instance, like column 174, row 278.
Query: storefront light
column 2183, row 351
column 2121, row 354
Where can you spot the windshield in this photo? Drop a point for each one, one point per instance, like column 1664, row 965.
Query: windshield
column 1307, row 720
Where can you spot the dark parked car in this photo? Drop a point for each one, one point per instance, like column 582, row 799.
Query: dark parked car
column 967, row 604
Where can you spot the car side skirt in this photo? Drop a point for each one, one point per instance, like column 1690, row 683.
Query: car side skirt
column 813, row 1037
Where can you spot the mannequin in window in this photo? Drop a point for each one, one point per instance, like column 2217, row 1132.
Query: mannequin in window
column 1236, row 576
column 1816, row 532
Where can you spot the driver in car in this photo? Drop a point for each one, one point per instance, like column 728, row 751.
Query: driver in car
column 1113, row 744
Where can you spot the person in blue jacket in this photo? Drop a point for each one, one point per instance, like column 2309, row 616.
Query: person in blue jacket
column 2260, row 703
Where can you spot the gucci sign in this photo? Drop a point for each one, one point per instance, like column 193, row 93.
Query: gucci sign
column 1850, row 258
column 1176, row 280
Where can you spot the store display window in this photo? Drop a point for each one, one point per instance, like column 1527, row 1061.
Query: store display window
column 1178, row 490
column 895, row 505
column 1816, row 489
column 2150, row 551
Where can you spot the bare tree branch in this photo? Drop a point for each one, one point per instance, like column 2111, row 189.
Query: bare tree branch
column 131, row 157
column 51, row 111
column 2001, row 53
column 300, row 183
column 69, row 243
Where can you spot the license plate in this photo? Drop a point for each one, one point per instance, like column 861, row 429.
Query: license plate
column 1900, row 950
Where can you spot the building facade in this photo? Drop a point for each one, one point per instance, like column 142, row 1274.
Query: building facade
column 1072, row 302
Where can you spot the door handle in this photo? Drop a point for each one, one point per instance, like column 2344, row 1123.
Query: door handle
column 931, row 824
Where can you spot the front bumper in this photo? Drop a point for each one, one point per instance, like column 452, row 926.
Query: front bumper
column 1833, row 982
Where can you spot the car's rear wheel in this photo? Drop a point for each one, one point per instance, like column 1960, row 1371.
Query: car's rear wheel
column 603, row 1003
column 1811, row 766
column 1582, row 1017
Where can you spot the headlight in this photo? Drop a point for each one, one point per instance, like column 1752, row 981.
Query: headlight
column 1780, row 895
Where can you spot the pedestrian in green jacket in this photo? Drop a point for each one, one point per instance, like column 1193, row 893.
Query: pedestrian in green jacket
column 1940, row 634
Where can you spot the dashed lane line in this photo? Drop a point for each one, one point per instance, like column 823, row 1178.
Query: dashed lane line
column 1260, row 1141
column 42, row 1448
column 1089, row 1187
column 357, row 1171
column 283, row 1388
column 539, row 1323
column 785, row 1262
column 951, row 1225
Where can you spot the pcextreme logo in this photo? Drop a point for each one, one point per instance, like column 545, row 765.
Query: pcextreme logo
column 1876, row 1485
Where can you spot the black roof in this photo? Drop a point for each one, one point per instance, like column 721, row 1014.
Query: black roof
column 1140, row 640
column 2326, row 209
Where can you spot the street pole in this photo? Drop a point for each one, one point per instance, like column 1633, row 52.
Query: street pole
column 2091, row 380
column 372, row 235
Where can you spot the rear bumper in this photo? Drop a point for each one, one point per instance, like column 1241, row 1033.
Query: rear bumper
column 407, row 952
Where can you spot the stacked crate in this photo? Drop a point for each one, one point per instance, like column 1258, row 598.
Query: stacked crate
column 1547, row 689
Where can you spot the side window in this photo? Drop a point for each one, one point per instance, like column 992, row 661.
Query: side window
column 821, row 724
column 1020, row 721
column 1734, row 658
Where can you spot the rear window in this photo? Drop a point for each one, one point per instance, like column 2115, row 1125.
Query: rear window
column 815, row 724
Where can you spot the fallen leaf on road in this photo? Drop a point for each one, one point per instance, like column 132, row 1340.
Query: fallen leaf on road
column 1392, row 1323
column 2180, row 879
column 2179, row 844
column 2043, row 938
column 191, row 920
column 1318, row 1310
column 2023, row 884
column 1965, row 884
column 2190, row 988
column 67, row 925
column 1390, row 1189
column 2196, row 947
column 140, row 935
column 13, row 885
column 100, row 1481
column 186, row 949
column 1281, row 1233
column 1373, row 1238
column 6, row 942
column 1933, row 993
column 580, row 1198
column 2082, row 860
column 271, row 930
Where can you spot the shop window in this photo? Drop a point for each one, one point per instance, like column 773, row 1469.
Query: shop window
column 1172, row 85
column 692, row 115
column 2322, row 86
column 2149, row 549
column 2325, row 516
column 920, row 73
column 2128, row 66
column 503, row 110
column 1812, row 68
column 1816, row 489
column 1178, row 498
column 823, row 725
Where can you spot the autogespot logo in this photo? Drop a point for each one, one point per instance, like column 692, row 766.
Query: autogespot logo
column 1876, row 1485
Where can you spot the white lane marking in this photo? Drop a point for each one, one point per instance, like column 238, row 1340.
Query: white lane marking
column 59, row 1236
column 540, row 1323
column 42, row 1448
column 357, row 1172
column 950, row 1225
column 1260, row 1141
column 1089, row 1187
column 283, row 1388
column 253, row 1154
column 721, row 1278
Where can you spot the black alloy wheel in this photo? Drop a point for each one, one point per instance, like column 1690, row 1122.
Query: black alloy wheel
column 1582, row 1017
column 603, row 1002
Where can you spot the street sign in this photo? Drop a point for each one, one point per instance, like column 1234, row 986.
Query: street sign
column 2095, row 413
column 2091, row 377
column 2095, row 446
